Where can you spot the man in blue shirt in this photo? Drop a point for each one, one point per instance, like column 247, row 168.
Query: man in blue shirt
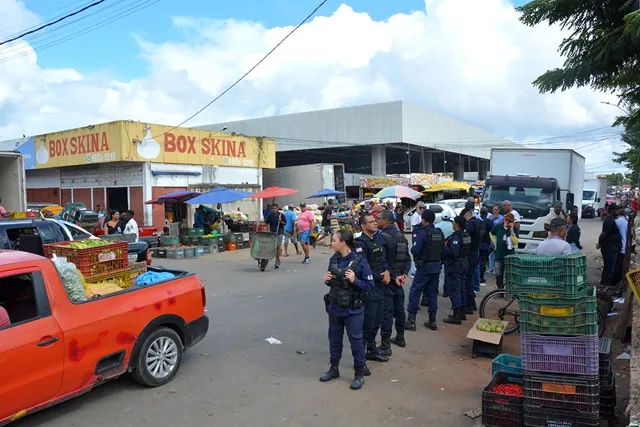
column 289, row 231
column 427, row 250
column 496, row 218
column 198, row 218
column 277, row 222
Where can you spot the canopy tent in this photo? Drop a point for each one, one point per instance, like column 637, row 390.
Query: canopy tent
column 326, row 192
column 179, row 196
column 448, row 186
column 272, row 192
column 219, row 195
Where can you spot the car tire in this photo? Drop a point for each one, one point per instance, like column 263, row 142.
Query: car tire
column 166, row 346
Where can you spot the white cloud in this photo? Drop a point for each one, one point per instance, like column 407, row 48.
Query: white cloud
column 469, row 59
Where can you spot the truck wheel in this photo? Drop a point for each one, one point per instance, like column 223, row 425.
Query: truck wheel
column 159, row 358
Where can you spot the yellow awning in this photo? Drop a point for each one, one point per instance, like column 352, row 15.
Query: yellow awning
column 446, row 186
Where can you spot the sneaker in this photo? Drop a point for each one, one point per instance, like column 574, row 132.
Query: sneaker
column 277, row 265
column 306, row 261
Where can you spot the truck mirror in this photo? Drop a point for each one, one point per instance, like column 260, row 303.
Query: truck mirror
column 570, row 200
column 598, row 200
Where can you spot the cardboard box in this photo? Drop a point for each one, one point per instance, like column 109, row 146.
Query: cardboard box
column 490, row 337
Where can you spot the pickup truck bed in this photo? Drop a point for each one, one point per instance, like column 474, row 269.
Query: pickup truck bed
column 54, row 349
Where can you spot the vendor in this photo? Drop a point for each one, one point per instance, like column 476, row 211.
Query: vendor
column 199, row 218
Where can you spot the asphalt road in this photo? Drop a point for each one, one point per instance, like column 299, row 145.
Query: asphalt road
column 235, row 378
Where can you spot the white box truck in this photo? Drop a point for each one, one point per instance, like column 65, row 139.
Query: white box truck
column 533, row 180
column 594, row 195
column 13, row 192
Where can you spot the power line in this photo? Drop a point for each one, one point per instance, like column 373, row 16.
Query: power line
column 89, row 6
column 45, row 14
column 250, row 70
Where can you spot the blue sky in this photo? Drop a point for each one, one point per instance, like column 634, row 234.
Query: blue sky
column 114, row 49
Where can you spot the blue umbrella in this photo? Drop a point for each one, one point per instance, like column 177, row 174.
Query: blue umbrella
column 219, row 195
column 327, row 192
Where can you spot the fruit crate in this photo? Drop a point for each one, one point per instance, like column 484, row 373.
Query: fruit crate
column 604, row 356
column 207, row 241
column 608, row 397
column 545, row 417
column 195, row 232
column 169, row 240
column 502, row 410
column 122, row 279
column 161, row 253
column 559, row 316
column 175, row 252
column 507, row 363
column 94, row 261
column 562, row 355
column 563, row 276
column 189, row 251
column 138, row 267
column 560, row 391
column 207, row 249
column 198, row 252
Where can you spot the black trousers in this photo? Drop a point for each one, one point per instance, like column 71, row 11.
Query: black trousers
column 484, row 259
column 617, row 271
column 373, row 316
column 609, row 259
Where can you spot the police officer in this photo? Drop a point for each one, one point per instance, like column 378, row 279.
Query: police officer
column 349, row 278
column 475, row 227
column 456, row 267
column 396, row 249
column 428, row 247
column 368, row 247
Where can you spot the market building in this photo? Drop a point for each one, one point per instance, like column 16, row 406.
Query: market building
column 376, row 140
column 120, row 165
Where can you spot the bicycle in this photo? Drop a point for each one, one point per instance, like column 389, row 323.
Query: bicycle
column 500, row 298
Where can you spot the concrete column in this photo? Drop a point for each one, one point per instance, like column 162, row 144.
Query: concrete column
column 426, row 162
column 378, row 160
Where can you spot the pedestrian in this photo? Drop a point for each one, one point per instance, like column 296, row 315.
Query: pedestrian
column 610, row 245
column 507, row 208
column 623, row 225
column 305, row 223
column 396, row 249
column 131, row 226
column 349, row 278
column 289, row 230
column 496, row 218
column 416, row 221
column 475, row 228
column 373, row 252
column 573, row 233
column 399, row 211
column 456, row 266
column 556, row 212
column 276, row 222
column 446, row 225
column 327, row 212
column 477, row 220
column 427, row 250
column 555, row 244
column 485, row 243
column 505, row 239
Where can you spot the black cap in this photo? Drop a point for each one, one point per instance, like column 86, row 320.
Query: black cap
column 303, row 205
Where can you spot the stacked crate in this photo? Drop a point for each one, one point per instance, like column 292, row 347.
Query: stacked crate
column 559, row 339
column 500, row 410
column 607, row 381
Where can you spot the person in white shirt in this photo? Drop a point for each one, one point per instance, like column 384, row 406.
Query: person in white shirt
column 506, row 207
column 416, row 218
column 132, row 225
column 555, row 245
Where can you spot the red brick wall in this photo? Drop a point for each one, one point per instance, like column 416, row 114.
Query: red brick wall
column 136, row 204
column 158, row 210
column 43, row 195
column 66, row 196
column 99, row 198
column 82, row 195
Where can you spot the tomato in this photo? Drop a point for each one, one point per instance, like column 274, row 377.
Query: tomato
column 509, row 389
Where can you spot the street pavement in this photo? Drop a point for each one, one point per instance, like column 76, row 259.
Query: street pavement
column 236, row 378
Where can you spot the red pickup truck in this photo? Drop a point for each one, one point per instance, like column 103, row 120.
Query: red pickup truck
column 53, row 349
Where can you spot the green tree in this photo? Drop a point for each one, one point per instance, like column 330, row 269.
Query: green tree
column 602, row 49
column 615, row 179
column 631, row 157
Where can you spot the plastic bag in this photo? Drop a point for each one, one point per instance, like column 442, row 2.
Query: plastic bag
column 99, row 289
column 72, row 279
column 151, row 277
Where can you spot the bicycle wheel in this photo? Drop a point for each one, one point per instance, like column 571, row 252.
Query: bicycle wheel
column 497, row 306
column 602, row 322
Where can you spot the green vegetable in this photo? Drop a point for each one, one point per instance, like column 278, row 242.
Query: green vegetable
column 487, row 325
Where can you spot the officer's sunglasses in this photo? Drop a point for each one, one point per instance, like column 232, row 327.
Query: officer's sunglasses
column 420, row 209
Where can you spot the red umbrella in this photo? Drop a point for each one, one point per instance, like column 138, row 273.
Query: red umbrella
column 271, row 192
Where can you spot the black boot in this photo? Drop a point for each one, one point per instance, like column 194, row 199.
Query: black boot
column 410, row 324
column 374, row 354
column 463, row 316
column 453, row 319
column 431, row 323
column 424, row 302
column 399, row 339
column 332, row 373
column 366, row 372
column 468, row 310
column 500, row 282
column 358, row 379
column 385, row 347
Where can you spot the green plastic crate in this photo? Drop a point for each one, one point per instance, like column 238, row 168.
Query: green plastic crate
column 169, row 240
column 195, row 232
column 507, row 363
column 559, row 316
column 563, row 276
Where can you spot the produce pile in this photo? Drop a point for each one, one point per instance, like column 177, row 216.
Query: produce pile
column 510, row 389
column 98, row 289
column 487, row 325
column 86, row 244
column 72, row 279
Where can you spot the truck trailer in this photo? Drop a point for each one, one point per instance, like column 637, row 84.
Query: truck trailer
column 533, row 180
column 13, row 192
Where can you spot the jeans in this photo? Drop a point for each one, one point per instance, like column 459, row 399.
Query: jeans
column 353, row 324
column 492, row 259
column 393, row 310
column 476, row 278
column 423, row 280
column 500, row 273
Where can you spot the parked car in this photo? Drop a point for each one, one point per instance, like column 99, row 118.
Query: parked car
column 437, row 208
column 54, row 349
column 457, row 205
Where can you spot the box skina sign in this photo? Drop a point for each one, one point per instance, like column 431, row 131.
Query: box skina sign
column 139, row 142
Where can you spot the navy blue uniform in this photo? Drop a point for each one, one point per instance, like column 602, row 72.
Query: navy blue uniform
column 349, row 318
column 456, row 269
column 374, row 303
column 394, row 294
column 427, row 277
column 473, row 260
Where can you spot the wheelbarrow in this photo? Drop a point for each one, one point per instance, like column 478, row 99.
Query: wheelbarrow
column 263, row 248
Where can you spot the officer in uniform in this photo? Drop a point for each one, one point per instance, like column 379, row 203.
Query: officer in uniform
column 396, row 249
column 369, row 248
column 456, row 268
column 428, row 247
column 349, row 278
column 475, row 228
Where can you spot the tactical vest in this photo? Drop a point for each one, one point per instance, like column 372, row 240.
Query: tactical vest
column 342, row 293
column 477, row 235
column 433, row 249
column 398, row 250
column 466, row 243
column 373, row 255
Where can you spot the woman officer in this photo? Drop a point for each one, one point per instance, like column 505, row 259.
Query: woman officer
column 349, row 278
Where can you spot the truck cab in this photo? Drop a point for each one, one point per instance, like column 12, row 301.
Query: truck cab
column 531, row 197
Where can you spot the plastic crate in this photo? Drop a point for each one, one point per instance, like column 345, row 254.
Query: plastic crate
column 501, row 410
column 569, row 392
column 161, row 253
column 507, row 363
column 122, row 279
column 559, row 316
column 207, row 241
column 189, row 252
column 198, row 252
column 195, row 232
column 169, row 240
column 95, row 261
column 562, row 355
column 544, row 417
column 138, row 267
column 175, row 253
column 207, row 249
column 608, row 398
column 563, row 276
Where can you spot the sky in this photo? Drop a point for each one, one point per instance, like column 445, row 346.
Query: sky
column 160, row 61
